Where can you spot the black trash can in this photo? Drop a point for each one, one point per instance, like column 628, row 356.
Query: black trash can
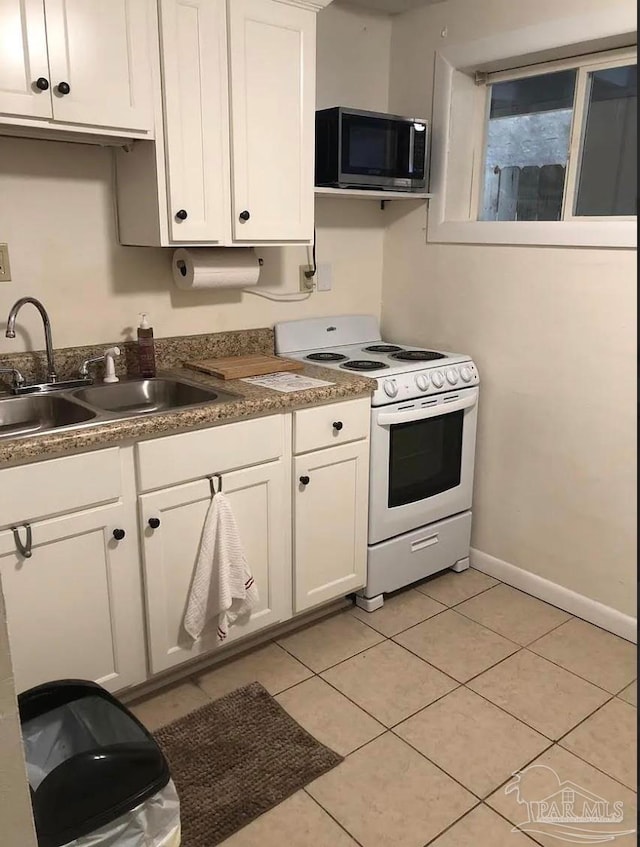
column 94, row 770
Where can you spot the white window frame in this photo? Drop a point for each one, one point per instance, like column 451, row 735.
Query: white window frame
column 460, row 118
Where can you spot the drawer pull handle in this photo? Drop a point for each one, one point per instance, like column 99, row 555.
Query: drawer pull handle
column 154, row 523
column 23, row 549
column 119, row 534
column 182, row 214
column 305, row 480
column 63, row 88
column 424, row 542
column 42, row 83
column 337, row 425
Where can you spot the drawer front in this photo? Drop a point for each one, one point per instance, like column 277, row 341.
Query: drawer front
column 192, row 455
column 45, row 489
column 325, row 426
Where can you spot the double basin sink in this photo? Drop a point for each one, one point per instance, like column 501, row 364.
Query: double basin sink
column 61, row 409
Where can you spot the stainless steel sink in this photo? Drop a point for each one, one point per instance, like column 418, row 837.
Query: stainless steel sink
column 65, row 409
column 30, row 415
column 146, row 396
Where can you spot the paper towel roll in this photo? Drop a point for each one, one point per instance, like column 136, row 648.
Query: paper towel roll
column 215, row 267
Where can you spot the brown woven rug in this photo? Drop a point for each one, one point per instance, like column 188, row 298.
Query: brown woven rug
column 234, row 759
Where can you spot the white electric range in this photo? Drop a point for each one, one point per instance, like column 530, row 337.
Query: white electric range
column 423, row 431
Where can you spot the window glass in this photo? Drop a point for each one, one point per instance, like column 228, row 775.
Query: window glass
column 527, row 147
column 608, row 178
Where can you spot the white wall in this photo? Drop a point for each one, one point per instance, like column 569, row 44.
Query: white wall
column 553, row 333
column 56, row 213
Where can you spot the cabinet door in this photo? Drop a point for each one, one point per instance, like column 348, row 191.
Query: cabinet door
column 272, row 61
column 100, row 48
column 74, row 609
column 258, row 499
column 330, row 523
column 23, row 59
column 196, row 108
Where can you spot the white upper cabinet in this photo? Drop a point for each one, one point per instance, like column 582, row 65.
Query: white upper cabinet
column 83, row 63
column 235, row 163
column 99, row 48
column 196, row 110
column 272, row 50
column 23, row 59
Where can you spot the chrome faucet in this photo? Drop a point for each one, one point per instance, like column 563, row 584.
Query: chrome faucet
column 11, row 330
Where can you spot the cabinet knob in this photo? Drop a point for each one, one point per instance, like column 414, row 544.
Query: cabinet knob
column 305, row 480
column 119, row 534
column 63, row 88
column 337, row 425
column 245, row 216
column 42, row 83
column 154, row 523
column 182, row 215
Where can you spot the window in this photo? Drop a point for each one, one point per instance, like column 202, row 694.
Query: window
column 560, row 141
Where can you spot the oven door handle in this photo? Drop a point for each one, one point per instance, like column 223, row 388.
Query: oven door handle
column 391, row 418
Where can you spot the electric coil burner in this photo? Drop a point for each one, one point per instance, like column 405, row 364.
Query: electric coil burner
column 417, row 355
column 325, row 357
column 364, row 365
column 383, row 348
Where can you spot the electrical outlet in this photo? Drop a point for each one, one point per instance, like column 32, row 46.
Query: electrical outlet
column 306, row 283
column 5, row 269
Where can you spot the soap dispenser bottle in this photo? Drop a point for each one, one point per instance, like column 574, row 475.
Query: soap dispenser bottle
column 146, row 348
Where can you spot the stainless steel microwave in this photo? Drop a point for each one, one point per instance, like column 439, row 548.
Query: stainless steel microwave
column 358, row 149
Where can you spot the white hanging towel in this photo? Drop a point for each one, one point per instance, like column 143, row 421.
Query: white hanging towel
column 223, row 586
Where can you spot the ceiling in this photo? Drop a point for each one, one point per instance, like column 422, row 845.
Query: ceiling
column 391, row 7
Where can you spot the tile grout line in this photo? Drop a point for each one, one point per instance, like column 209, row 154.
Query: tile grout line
column 470, row 597
column 511, row 823
column 562, row 667
column 537, row 638
column 333, row 818
column 446, row 608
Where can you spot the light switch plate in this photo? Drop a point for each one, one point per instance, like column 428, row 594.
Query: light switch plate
column 5, row 268
column 325, row 277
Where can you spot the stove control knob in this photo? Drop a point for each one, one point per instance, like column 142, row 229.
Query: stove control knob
column 390, row 387
column 452, row 376
column 437, row 379
column 422, row 381
column 466, row 374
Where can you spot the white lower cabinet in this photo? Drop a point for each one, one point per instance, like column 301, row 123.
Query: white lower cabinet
column 257, row 496
column 115, row 535
column 330, row 523
column 74, row 607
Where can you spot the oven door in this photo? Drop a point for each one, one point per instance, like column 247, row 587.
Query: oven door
column 378, row 150
column 422, row 457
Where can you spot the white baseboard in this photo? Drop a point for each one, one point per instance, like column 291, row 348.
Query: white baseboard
column 569, row 601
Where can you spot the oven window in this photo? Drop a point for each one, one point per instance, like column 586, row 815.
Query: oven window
column 425, row 458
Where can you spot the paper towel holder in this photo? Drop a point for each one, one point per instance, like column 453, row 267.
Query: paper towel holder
column 182, row 267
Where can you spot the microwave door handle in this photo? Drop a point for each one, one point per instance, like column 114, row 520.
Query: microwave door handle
column 391, row 418
column 412, row 147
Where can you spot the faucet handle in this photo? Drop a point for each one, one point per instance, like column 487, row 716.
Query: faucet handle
column 18, row 379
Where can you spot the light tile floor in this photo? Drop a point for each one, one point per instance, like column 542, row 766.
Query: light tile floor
column 435, row 700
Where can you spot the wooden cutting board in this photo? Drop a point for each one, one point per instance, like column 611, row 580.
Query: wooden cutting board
column 237, row 367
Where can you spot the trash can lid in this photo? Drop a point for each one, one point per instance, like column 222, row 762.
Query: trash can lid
column 89, row 760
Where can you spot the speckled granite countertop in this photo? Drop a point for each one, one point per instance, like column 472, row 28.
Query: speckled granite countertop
column 249, row 401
